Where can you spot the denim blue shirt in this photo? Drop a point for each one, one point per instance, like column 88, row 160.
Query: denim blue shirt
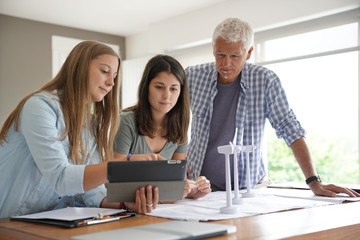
column 36, row 173
column 261, row 97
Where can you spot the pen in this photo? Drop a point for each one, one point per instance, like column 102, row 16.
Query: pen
column 102, row 220
column 188, row 172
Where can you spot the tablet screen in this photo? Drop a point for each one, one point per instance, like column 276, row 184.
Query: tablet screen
column 127, row 177
column 139, row 171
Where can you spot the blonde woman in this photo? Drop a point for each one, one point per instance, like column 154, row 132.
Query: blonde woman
column 55, row 145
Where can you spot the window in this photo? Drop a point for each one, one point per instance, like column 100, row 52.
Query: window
column 309, row 43
column 320, row 73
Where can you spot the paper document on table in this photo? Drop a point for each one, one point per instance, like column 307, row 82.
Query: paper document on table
column 71, row 213
column 208, row 207
column 307, row 194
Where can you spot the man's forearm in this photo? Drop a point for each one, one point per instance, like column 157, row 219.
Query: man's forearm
column 303, row 156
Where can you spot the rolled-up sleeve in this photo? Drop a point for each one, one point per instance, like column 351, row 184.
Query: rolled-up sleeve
column 94, row 197
column 42, row 125
column 280, row 115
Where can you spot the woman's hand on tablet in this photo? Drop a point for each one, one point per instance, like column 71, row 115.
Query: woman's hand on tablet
column 147, row 199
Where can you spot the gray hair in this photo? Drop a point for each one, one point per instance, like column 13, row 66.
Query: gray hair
column 234, row 30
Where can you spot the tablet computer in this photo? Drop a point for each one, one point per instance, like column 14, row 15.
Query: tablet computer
column 124, row 178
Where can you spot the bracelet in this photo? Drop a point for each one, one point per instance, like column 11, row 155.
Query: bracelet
column 129, row 155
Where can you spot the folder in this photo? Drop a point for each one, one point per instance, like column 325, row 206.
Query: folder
column 75, row 217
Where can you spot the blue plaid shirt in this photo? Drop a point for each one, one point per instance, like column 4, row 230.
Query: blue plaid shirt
column 261, row 97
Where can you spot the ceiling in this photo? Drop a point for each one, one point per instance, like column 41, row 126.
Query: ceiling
column 117, row 17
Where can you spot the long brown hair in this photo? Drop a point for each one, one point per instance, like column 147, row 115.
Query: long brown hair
column 72, row 87
column 177, row 119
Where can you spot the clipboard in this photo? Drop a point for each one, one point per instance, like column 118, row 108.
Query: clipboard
column 124, row 178
column 72, row 217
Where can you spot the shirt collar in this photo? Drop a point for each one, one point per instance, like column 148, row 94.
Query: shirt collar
column 243, row 74
column 244, row 80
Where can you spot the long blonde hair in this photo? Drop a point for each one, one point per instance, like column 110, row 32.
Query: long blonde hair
column 72, row 87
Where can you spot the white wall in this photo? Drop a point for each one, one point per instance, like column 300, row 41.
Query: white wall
column 198, row 25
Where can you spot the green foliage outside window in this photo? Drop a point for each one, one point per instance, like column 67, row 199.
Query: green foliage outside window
column 334, row 160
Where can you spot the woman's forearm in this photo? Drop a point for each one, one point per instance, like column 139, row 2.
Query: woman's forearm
column 95, row 175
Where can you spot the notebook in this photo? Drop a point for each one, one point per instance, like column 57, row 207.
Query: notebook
column 124, row 178
column 163, row 231
column 71, row 217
